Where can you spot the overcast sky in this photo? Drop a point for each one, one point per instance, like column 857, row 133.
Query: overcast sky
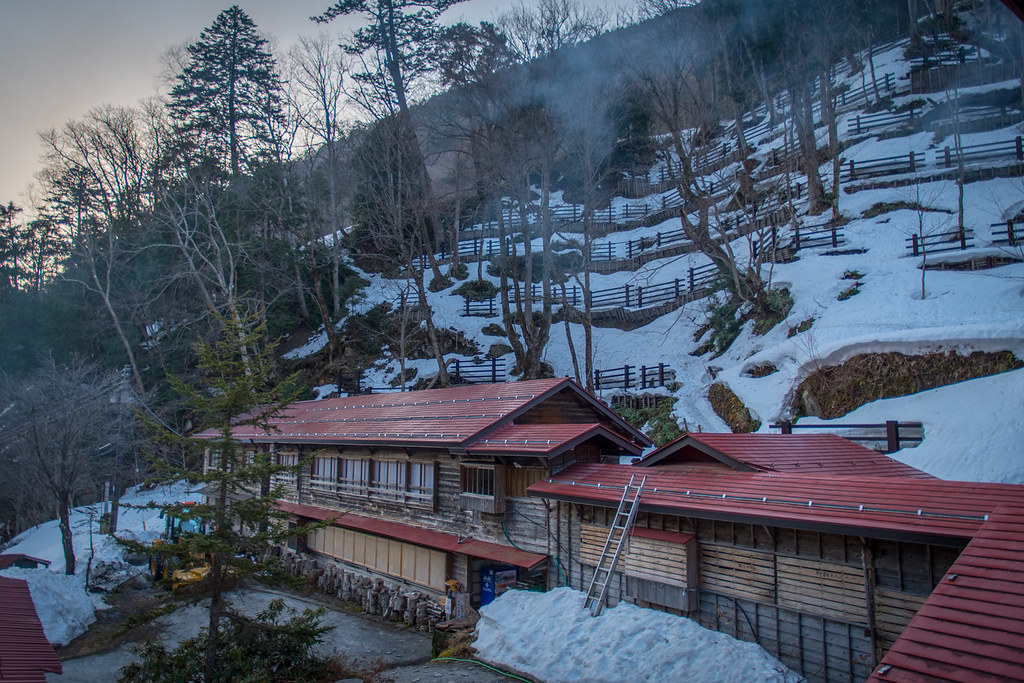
column 59, row 58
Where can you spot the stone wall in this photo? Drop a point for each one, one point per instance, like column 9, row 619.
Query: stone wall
column 375, row 595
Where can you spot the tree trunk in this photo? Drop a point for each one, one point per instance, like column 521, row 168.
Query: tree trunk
column 64, row 513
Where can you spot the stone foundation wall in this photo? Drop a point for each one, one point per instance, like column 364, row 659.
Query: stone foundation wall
column 376, row 595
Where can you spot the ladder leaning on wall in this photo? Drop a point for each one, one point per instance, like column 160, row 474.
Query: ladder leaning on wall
column 625, row 515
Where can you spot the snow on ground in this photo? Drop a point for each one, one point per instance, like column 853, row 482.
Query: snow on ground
column 64, row 605
column 551, row 637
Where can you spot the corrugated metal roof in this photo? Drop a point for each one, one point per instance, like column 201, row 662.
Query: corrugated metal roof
column 25, row 653
column 882, row 507
column 452, row 417
column 796, row 453
column 971, row 628
column 545, row 440
column 426, row 537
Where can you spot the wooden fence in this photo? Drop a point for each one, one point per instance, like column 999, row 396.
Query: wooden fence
column 955, row 240
column 892, row 432
column 476, row 372
column 945, row 158
column 1010, row 233
column 632, row 377
column 697, row 281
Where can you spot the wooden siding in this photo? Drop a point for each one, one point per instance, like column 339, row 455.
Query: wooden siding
column 819, row 648
column 395, row 558
column 737, row 572
column 822, row 588
column 893, row 611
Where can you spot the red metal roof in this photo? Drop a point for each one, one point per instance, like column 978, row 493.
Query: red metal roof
column 971, row 628
column 429, row 538
column 453, row 417
column 25, row 653
column 881, row 507
column 546, row 440
column 795, row 453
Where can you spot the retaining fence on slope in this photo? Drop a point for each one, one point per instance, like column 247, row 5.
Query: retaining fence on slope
column 955, row 240
column 695, row 283
column 632, row 377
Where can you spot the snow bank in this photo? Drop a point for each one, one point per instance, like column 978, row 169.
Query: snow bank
column 63, row 606
column 551, row 637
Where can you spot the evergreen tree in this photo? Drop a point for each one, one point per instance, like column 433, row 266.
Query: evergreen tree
column 235, row 392
column 228, row 97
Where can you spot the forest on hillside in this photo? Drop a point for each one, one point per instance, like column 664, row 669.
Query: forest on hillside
column 260, row 185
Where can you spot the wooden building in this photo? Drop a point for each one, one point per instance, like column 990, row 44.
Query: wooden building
column 824, row 571
column 429, row 487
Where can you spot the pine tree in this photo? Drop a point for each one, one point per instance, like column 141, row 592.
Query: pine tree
column 228, row 97
column 239, row 507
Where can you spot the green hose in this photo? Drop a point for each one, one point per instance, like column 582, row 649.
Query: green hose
column 558, row 564
column 487, row 666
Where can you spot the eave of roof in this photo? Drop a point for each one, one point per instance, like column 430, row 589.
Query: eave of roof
column 25, row 653
column 972, row 625
column 880, row 507
column 547, row 440
column 804, row 453
column 429, row 538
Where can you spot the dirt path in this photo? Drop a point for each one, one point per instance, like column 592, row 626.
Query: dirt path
column 402, row 654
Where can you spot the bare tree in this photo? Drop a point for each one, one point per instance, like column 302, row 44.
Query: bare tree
column 549, row 25
column 57, row 425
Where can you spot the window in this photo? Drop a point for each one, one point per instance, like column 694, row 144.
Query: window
column 325, row 474
column 421, row 482
column 478, row 480
column 286, row 477
column 483, row 488
column 354, row 476
column 389, row 479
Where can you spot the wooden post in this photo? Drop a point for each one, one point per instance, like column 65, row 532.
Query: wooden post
column 625, row 373
column 691, row 280
column 858, row 124
column 963, row 239
column 1020, row 149
column 892, row 436
column 677, row 281
column 661, row 374
column 913, row 166
column 625, row 288
column 1010, row 237
column 786, row 426
column 639, row 297
column 642, row 383
column 494, row 370
column 914, row 245
column 949, row 160
column 597, row 380
column 835, row 238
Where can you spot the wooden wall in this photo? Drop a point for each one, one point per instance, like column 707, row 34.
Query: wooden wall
column 827, row 605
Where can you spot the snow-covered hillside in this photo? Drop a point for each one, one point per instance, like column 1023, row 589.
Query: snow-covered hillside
column 969, row 428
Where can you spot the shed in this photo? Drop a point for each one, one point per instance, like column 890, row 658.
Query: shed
column 22, row 561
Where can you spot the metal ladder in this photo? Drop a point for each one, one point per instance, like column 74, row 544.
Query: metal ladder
column 621, row 524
